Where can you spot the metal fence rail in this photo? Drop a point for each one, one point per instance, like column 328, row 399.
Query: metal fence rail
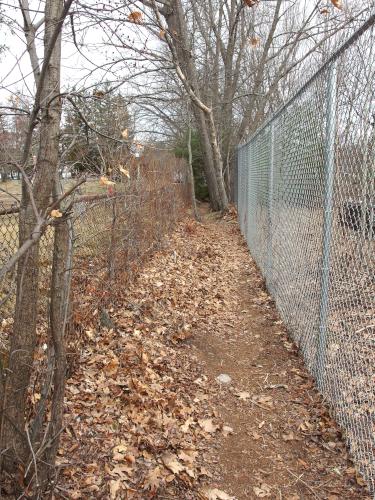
column 306, row 206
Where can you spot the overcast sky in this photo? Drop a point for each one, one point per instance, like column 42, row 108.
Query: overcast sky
column 80, row 70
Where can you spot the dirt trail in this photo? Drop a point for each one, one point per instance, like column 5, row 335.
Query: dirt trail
column 284, row 444
column 146, row 417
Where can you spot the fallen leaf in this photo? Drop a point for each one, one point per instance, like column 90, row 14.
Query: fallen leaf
column 114, row 488
column 227, row 430
column 263, row 491
column 243, row 395
column 265, row 401
column 215, row 494
column 119, row 452
column 121, row 470
column 172, row 463
column 181, row 335
column 190, row 472
column 288, row 437
column 360, row 481
column 207, row 425
column 111, row 368
column 153, row 479
column 255, row 435
column 186, row 425
column 188, row 456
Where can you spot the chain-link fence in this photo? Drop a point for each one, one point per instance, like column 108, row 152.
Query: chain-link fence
column 112, row 230
column 67, row 289
column 306, row 208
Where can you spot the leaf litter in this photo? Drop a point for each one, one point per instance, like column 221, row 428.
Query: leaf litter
column 144, row 418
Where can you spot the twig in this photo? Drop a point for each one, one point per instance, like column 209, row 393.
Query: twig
column 36, row 233
column 9, row 194
column 298, row 478
column 259, row 406
column 365, row 328
column 29, row 188
column 33, row 454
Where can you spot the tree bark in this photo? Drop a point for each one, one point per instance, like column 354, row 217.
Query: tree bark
column 23, row 340
column 191, row 175
column 213, row 165
column 59, row 310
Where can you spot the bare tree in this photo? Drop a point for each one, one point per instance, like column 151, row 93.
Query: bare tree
column 46, row 111
column 237, row 63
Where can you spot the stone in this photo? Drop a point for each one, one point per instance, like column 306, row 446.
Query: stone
column 224, row 378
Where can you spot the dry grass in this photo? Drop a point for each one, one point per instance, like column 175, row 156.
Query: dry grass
column 13, row 188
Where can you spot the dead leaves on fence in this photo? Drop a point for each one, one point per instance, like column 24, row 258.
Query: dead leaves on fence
column 104, row 181
column 251, row 3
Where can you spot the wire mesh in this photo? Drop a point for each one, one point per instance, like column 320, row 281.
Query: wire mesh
column 306, row 208
column 113, row 232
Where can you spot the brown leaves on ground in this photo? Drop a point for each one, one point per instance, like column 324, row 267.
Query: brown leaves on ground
column 142, row 416
column 215, row 494
column 138, row 420
column 134, row 414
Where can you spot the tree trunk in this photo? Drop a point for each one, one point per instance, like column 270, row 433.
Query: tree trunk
column 59, row 309
column 208, row 163
column 23, row 340
column 213, row 165
column 191, row 175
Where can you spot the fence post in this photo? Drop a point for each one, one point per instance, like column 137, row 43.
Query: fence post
column 112, row 245
column 329, row 157
column 235, row 179
column 238, row 156
column 270, row 204
column 242, row 187
column 244, row 168
column 248, row 187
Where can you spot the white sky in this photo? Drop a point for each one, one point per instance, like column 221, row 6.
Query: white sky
column 77, row 70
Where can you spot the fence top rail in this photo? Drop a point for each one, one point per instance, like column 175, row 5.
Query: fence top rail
column 332, row 59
